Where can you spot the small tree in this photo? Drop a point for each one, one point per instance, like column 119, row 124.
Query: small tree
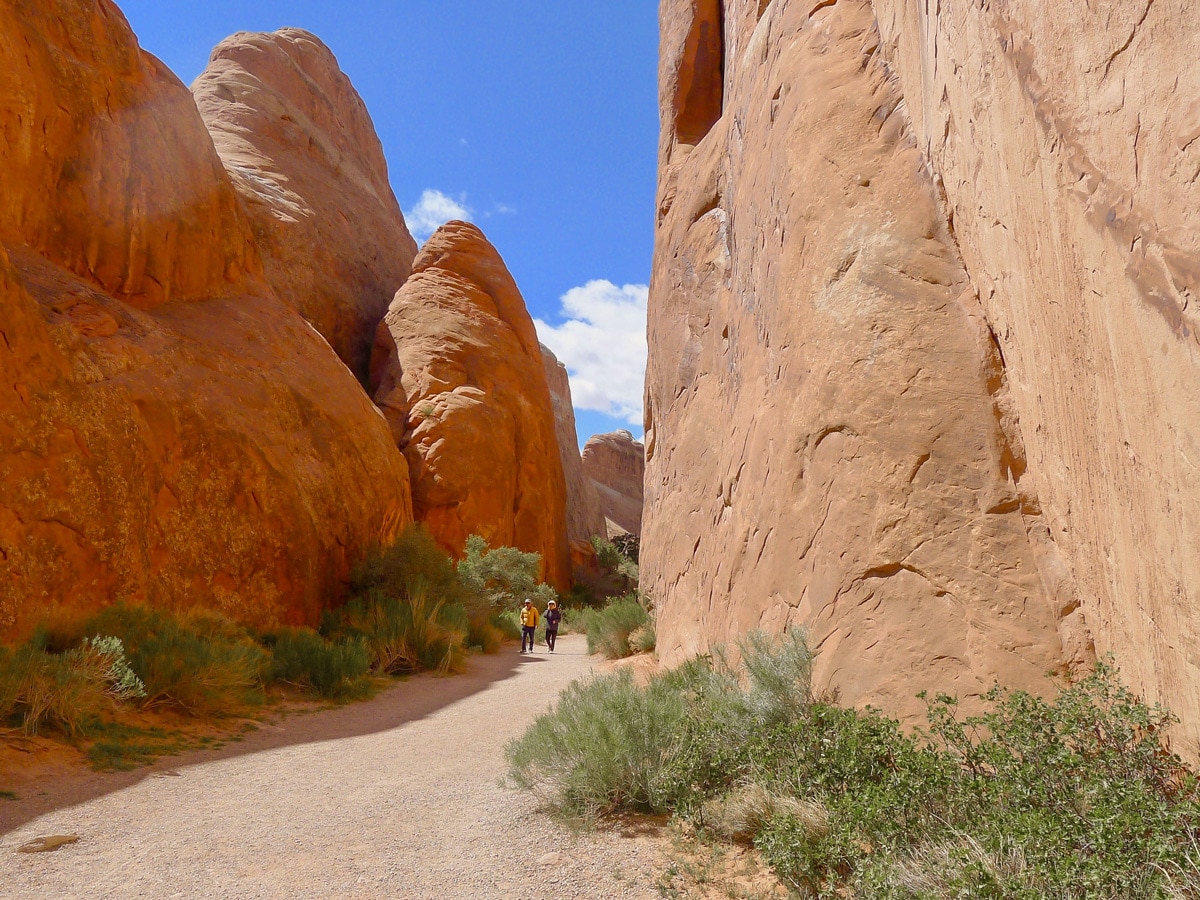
column 504, row 576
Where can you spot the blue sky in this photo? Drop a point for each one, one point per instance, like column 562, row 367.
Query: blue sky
column 538, row 117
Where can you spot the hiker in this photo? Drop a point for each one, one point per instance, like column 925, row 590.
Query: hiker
column 529, row 620
column 553, row 617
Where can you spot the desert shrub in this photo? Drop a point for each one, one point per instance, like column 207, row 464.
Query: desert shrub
column 200, row 662
column 613, row 560
column 331, row 669
column 60, row 691
column 608, row 629
column 487, row 637
column 604, row 748
column 408, row 633
column 502, row 577
column 1069, row 798
column 644, row 638
column 413, row 557
column 509, row 624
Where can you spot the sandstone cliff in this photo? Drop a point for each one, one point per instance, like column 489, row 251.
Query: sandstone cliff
column 829, row 435
column 585, row 519
column 457, row 370
column 615, row 464
column 1067, row 142
column 170, row 431
column 302, row 152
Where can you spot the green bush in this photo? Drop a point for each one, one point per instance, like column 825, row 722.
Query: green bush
column 603, row 749
column 502, row 577
column 1070, row 798
column 60, row 691
column 413, row 557
column 609, row 629
column 613, row 561
column 332, row 669
column 408, row 633
column 200, row 662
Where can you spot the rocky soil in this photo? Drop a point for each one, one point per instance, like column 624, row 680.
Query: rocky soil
column 398, row 797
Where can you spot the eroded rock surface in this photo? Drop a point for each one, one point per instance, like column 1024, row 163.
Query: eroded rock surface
column 458, row 372
column 302, row 152
column 585, row 519
column 1067, row 141
column 170, row 432
column 831, row 438
column 616, row 465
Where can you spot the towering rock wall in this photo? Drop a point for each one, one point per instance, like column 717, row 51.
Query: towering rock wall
column 585, row 519
column 922, row 339
column 302, row 152
column 1066, row 139
column 615, row 464
column 829, row 432
column 457, row 370
column 170, row 432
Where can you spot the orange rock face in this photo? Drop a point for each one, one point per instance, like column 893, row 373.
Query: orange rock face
column 1066, row 142
column 831, row 438
column 585, row 519
column 458, row 372
column 170, row 432
column 105, row 168
column 615, row 464
column 302, row 152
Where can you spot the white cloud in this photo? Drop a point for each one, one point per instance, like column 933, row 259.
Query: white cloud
column 603, row 345
column 434, row 210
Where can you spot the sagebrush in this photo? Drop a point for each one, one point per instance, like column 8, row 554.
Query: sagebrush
column 1074, row 797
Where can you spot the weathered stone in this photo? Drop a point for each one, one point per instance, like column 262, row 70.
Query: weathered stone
column 616, row 466
column 1065, row 140
column 170, row 432
column 585, row 519
column 831, row 442
column 105, row 168
column 458, row 372
column 302, row 152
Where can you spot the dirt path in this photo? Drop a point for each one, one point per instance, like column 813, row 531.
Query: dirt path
column 395, row 798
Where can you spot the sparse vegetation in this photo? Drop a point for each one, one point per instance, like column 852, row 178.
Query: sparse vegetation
column 615, row 561
column 411, row 609
column 333, row 669
column 1069, row 798
column 619, row 629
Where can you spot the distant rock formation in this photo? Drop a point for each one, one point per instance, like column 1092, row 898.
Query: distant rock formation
column 922, row 326
column 615, row 464
column 585, row 519
column 302, row 152
column 458, row 372
column 170, row 432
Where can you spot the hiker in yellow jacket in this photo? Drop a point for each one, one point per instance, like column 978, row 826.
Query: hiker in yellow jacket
column 529, row 620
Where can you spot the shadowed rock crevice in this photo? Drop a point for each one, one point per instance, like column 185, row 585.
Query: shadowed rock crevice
column 700, row 90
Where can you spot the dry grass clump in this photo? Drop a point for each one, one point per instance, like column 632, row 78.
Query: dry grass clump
column 743, row 813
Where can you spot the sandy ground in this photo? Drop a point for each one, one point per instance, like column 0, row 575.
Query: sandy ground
column 399, row 797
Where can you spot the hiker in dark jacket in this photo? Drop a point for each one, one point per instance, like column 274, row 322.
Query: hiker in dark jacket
column 553, row 617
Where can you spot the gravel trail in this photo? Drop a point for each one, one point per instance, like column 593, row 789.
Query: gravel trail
column 398, row 797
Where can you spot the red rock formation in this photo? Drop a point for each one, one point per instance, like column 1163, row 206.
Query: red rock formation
column 831, row 441
column 615, row 464
column 302, row 152
column 1065, row 140
column 585, row 519
column 457, row 370
column 170, row 432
